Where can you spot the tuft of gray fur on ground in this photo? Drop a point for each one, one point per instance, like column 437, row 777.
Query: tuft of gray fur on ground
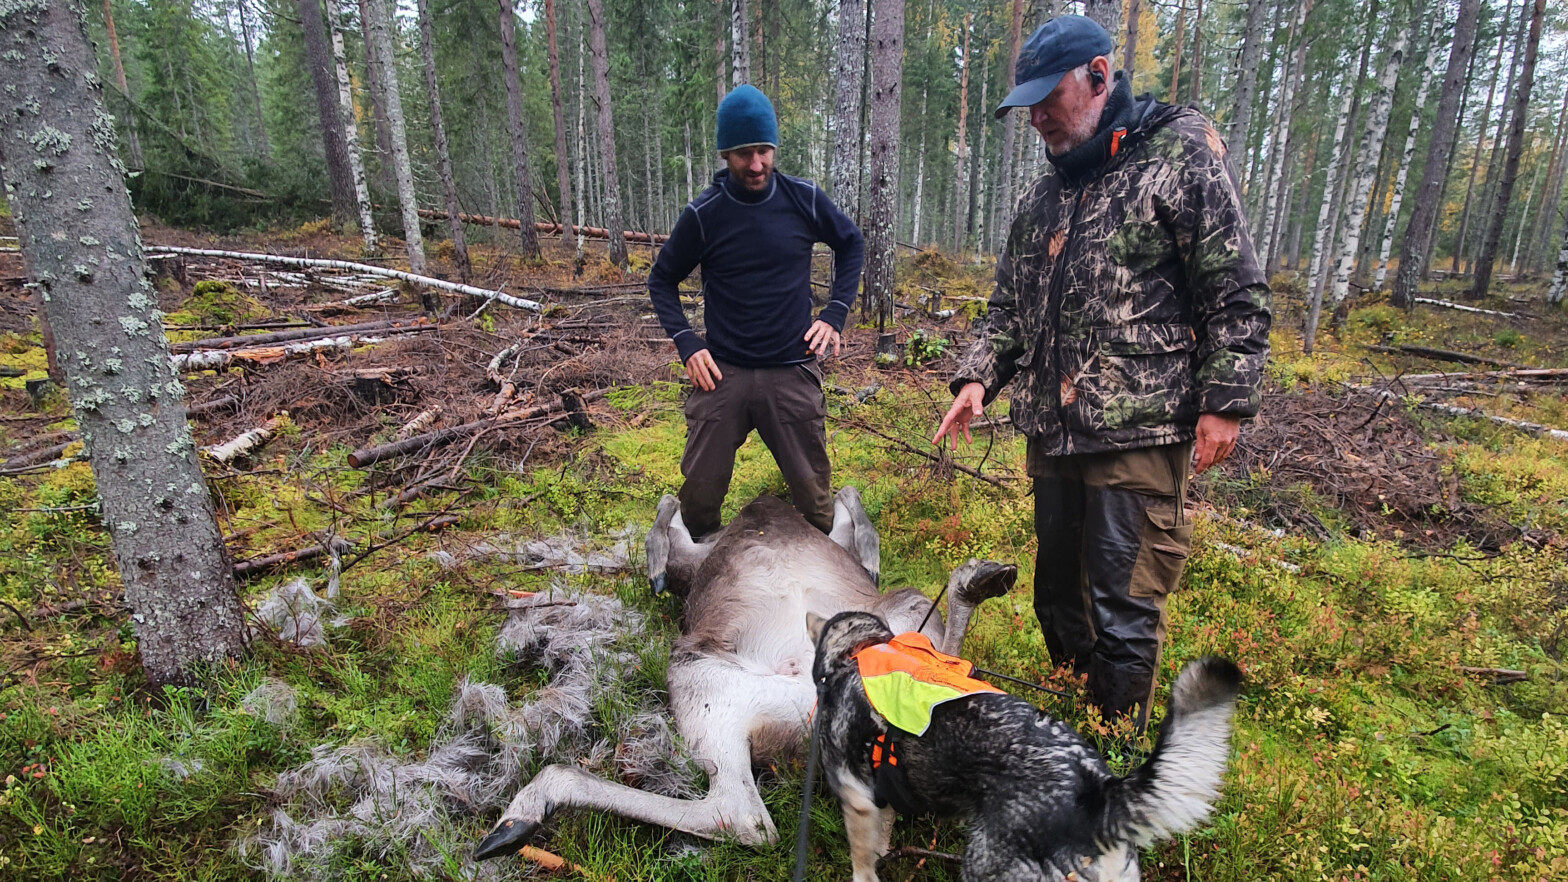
column 567, row 553
column 295, row 613
column 273, row 701
column 427, row 812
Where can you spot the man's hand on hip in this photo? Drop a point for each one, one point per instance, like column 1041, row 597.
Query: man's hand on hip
column 821, row 335
column 703, row 371
column 967, row 404
column 1217, row 434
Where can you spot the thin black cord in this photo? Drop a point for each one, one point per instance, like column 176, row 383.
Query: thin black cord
column 803, row 833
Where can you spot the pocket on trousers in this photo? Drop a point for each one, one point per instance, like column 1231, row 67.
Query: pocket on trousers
column 1162, row 554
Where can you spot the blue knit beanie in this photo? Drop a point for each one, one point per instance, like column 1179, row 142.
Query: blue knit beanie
column 746, row 118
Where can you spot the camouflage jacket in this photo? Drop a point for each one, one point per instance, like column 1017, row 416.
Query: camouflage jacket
column 1127, row 301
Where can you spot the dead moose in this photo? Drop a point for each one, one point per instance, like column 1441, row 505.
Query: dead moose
column 740, row 674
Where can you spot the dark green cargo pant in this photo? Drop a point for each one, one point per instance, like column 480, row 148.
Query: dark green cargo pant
column 786, row 407
column 1114, row 537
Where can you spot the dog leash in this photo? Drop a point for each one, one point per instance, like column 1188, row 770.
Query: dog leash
column 803, row 833
column 978, row 670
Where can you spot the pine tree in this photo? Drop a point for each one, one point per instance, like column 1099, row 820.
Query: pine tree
column 601, row 79
column 318, row 59
column 517, row 136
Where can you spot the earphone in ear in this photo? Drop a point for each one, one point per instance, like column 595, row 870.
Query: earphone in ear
column 1098, row 79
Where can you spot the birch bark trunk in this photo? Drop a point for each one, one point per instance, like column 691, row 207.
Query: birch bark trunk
column 563, row 162
column 886, row 46
column 960, row 176
column 84, row 254
column 1542, row 241
column 1416, row 246
column 1365, row 169
column 1505, row 187
column 740, row 45
column 848, row 64
column 1524, row 220
column 367, row 222
column 601, row 81
column 517, row 134
column 1281, row 137
column 1320, row 239
column 1407, row 155
column 402, row 168
column 920, row 172
column 427, row 55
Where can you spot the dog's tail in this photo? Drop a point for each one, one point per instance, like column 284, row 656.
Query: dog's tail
column 1174, row 791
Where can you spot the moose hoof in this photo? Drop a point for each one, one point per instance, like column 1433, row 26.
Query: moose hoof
column 507, row 837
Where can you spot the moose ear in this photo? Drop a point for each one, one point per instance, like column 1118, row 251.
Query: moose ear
column 814, row 626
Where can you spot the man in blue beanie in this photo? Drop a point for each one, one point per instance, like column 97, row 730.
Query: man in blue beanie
column 752, row 232
column 1134, row 315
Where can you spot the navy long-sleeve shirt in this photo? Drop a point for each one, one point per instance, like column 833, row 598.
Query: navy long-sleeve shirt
column 755, row 252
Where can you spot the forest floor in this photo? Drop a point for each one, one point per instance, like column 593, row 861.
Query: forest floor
column 1392, row 577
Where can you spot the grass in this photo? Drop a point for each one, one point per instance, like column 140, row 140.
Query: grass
column 1362, row 750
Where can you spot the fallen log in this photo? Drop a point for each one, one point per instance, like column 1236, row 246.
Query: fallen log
column 427, row 281
column 241, row 341
column 544, row 227
column 1442, row 355
column 1475, row 413
column 419, row 423
column 1543, row 376
column 218, row 359
column 1500, row 676
column 245, row 443
column 1462, row 308
column 367, row 456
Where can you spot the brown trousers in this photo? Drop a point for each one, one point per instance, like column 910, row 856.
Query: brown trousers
column 786, row 407
column 1114, row 538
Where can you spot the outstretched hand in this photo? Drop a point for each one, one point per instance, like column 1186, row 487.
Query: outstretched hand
column 967, row 404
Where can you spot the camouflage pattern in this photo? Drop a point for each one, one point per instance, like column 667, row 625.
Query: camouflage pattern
column 1130, row 304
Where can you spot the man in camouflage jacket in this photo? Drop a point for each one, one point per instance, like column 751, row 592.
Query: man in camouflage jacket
column 1132, row 311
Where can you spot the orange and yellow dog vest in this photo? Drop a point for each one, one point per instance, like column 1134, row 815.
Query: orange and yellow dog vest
column 906, row 678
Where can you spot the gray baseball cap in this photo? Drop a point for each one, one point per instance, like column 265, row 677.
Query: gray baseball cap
column 1056, row 47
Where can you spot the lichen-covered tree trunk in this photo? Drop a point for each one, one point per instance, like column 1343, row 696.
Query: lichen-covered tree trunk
column 563, row 175
column 601, row 84
column 356, row 165
column 427, row 57
column 960, row 175
column 887, row 56
column 380, row 44
column 1246, row 85
column 1480, row 140
column 318, row 57
column 740, row 44
column 1268, row 232
column 1365, row 170
column 1108, row 13
column 1505, row 187
column 1416, row 246
column 849, row 62
column 67, row 194
column 378, row 111
column 522, row 178
column 1405, row 156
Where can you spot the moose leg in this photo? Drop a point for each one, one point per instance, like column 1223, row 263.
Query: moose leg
column 974, row 582
column 673, row 558
column 717, row 705
column 852, row 531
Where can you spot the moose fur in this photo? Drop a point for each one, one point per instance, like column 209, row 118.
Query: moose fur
column 740, row 675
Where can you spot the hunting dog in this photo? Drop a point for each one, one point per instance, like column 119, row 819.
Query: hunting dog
column 1041, row 803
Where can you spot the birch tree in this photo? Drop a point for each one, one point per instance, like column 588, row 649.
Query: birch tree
column 1320, row 240
column 959, row 175
column 379, row 43
column 887, row 53
column 1365, row 170
column 427, row 57
column 1541, row 240
column 1505, row 187
column 517, row 136
column 740, row 44
column 1417, row 244
column 319, row 59
column 1407, row 155
column 849, row 61
column 356, row 164
column 79, row 238
column 1281, row 138
column 601, row 82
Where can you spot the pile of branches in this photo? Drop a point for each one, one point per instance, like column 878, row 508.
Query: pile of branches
column 1363, row 455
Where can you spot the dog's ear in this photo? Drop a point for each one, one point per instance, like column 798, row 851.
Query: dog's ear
column 814, row 626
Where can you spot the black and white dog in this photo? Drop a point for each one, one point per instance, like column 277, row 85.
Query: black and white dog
column 1040, row 801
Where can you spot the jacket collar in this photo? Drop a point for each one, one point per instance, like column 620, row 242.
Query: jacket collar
column 1123, row 116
